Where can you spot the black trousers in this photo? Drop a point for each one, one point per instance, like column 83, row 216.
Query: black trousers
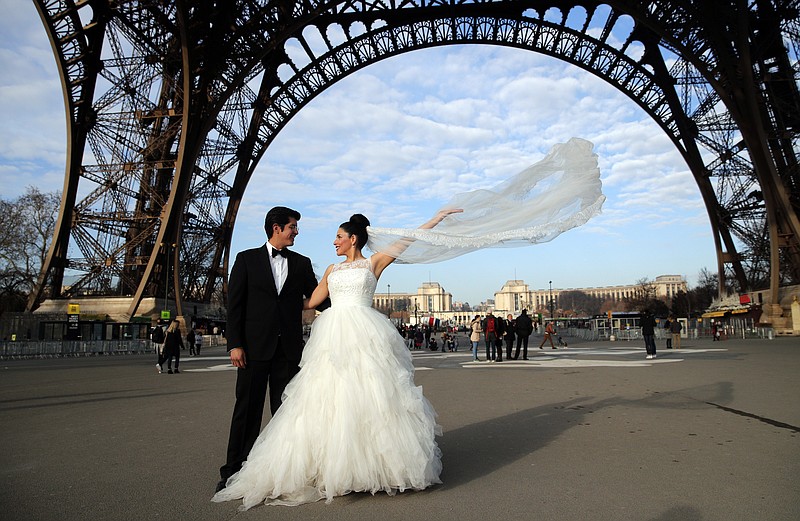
column 650, row 344
column 509, row 347
column 248, row 411
column 177, row 356
column 522, row 340
column 491, row 346
column 167, row 357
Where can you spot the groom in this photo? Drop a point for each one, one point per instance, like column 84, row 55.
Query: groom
column 264, row 329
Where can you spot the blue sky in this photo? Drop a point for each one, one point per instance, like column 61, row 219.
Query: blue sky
column 396, row 140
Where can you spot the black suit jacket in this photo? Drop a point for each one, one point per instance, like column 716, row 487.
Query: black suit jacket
column 257, row 314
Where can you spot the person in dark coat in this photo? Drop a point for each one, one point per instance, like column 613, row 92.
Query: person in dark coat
column 173, row 343
column 649, row 333
column 500, row 332
column 509, row 336
column 524, row 328
column 190, row 341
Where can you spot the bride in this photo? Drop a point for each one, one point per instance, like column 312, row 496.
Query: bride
column 352, row 420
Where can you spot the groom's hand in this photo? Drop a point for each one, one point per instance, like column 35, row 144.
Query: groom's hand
column 238, row 357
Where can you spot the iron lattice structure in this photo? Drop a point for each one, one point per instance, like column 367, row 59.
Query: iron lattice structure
column 171, row 104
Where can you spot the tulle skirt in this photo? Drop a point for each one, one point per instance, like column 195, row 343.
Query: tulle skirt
column 352, row 420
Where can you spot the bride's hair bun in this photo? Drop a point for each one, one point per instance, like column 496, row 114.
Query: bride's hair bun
column 357, row 225
column 359, row 220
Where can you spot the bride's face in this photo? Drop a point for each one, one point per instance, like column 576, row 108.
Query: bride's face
column 343, row 242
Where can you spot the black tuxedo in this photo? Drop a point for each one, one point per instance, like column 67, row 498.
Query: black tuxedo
column 257, row 316
column 268, row 326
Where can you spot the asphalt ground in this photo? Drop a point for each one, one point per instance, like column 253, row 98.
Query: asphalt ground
column 593, row 432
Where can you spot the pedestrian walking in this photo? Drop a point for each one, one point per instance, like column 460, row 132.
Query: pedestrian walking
column 549, row 331
column 173, row 344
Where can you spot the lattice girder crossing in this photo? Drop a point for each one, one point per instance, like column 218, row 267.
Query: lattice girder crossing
column 161, row 91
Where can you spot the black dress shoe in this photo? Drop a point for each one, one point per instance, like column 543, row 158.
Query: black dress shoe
column 221, row 485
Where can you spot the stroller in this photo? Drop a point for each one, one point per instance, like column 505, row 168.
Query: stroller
column 562, row 342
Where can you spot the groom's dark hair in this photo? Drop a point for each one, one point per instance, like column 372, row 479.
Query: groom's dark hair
column 279, row 215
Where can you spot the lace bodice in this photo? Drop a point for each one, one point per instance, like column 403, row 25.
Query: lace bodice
column 352, row 283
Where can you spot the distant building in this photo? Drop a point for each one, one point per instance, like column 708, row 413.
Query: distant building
column 432, row 303
column 430, row 297
column 515, row 295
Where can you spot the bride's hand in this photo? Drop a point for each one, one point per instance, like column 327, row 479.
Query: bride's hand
column 445, row 213
column 440, row 216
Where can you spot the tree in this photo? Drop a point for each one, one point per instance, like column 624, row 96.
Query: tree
column 697, row 299
column 26, row 227
column 645, row 297
column 578, row 303
column 706, row 290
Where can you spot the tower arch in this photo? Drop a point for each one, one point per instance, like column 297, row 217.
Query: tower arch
column 195, row 94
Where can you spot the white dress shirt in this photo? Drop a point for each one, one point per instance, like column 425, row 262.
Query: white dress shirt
column 279, row 266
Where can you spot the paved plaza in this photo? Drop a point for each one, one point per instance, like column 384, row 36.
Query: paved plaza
column 594, row 432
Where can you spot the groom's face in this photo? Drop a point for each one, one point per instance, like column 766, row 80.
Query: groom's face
column 284, row 238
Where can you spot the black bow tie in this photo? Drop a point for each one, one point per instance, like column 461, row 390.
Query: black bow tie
column 276, row 252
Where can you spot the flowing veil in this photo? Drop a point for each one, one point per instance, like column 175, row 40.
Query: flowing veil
column 560, row 192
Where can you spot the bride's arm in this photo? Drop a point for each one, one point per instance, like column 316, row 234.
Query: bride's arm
column 381, row 260
column 320, row 292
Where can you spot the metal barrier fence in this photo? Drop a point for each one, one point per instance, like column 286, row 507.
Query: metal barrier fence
column 734, row 329
column 61, row 348
column 66, row 348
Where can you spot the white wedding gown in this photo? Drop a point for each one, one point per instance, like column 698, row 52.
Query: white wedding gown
column 353, row 419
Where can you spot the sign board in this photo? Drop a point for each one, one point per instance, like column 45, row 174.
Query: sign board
column 165, row 314
column 73, row 321
column 73, row 326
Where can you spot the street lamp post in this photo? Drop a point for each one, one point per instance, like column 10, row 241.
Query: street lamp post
column 166, row 246
column 551, row 301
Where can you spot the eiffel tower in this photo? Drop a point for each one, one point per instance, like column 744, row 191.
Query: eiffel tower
column 171, row 104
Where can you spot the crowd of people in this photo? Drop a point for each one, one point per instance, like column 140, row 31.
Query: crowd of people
column 495, row 332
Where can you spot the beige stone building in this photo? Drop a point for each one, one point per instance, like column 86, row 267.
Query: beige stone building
column 430, row 302
column 516, row 295
column 430, row 297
